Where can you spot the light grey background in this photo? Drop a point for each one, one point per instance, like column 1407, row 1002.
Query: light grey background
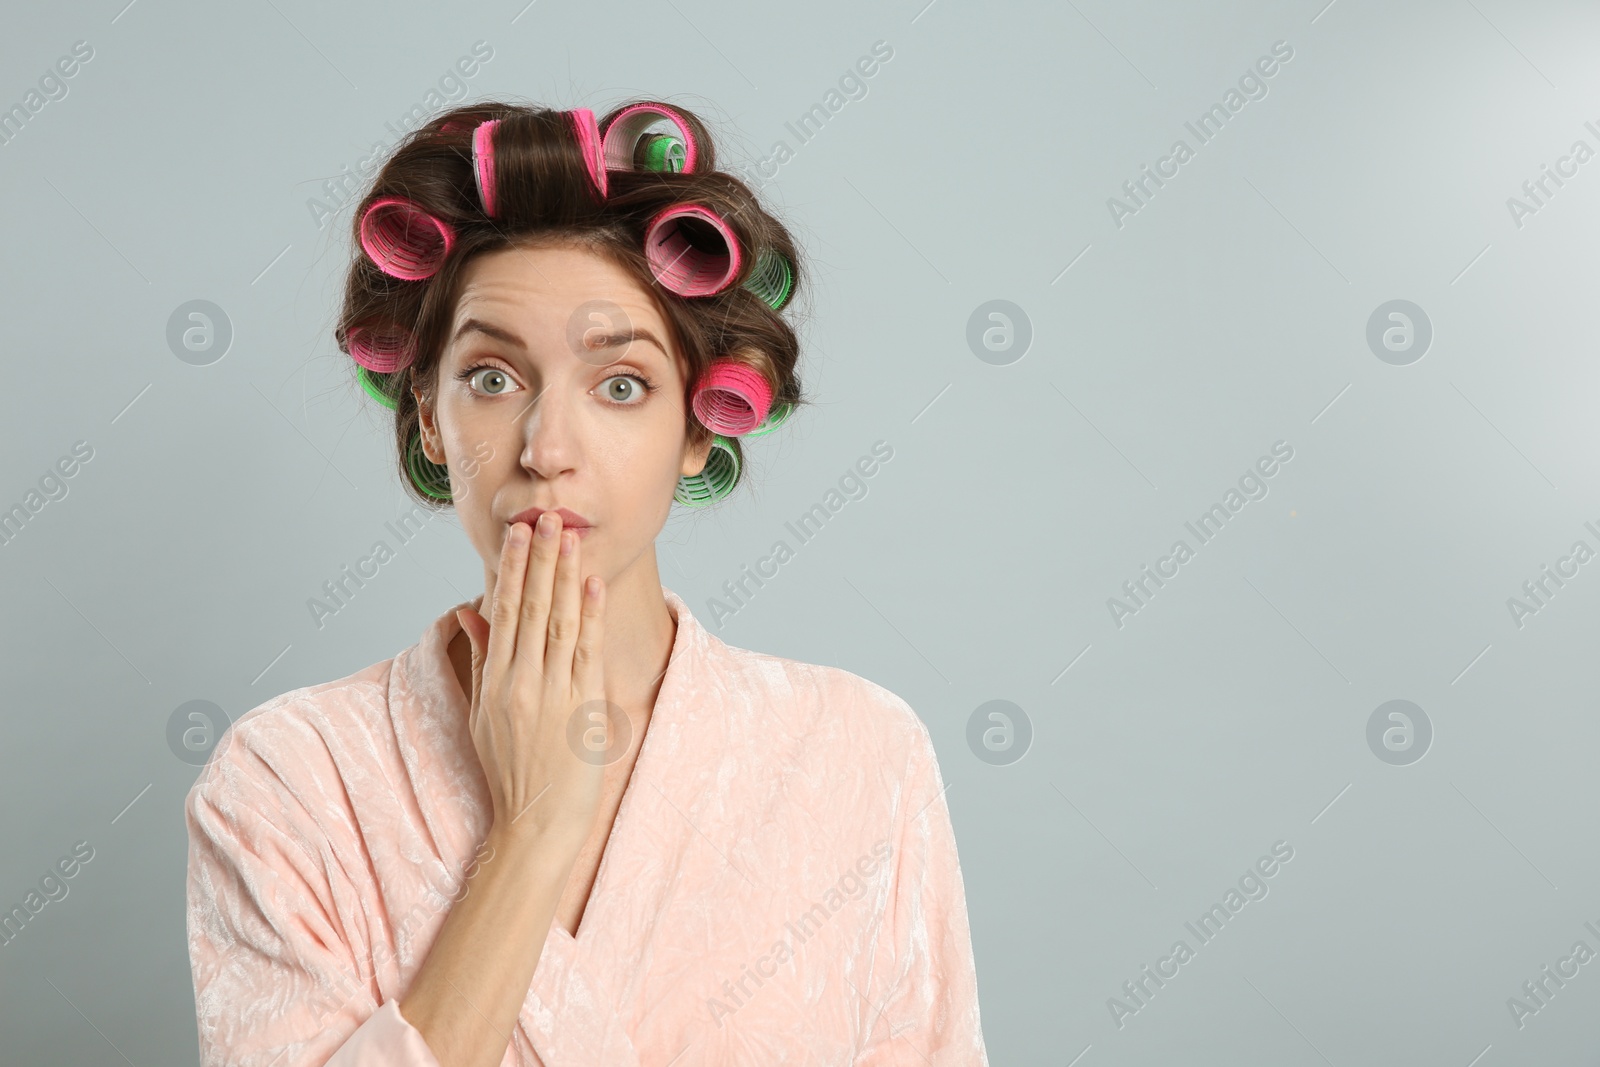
column 1168, row 354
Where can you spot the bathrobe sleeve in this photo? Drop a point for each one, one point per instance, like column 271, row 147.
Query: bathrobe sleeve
column 928, row 1014
column 276, row 980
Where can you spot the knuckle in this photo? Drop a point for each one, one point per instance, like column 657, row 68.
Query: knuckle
column 562, row 630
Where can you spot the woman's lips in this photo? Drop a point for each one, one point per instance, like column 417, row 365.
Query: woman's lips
column 570, row 520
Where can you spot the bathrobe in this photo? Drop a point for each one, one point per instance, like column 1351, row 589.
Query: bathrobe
column 780, row 884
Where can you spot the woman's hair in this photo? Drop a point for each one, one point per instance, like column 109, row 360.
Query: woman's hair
column 544, row 194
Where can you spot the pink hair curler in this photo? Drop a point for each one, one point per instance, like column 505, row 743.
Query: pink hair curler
column 592, row 147
column 623, row 134
column 483, row 163
column 382, row 349
column 692, row 250
column 403, row 239
column 731, row 398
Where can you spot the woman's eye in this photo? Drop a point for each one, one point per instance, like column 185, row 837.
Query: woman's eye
column 490, row 381
column 624, row 389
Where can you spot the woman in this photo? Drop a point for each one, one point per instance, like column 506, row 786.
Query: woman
column 569, row 825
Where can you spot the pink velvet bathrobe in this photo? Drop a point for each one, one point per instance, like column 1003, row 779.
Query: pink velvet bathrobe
column 780, row 886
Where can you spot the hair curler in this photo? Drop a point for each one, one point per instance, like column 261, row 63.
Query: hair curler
column 731, row 398
column 772, row 278
column 380, row 387
column 483, row 163
column 713, row 482
column 384, row 349
column 430, row 477
column 403, row 239
column 775, row 418
column 691, row 250
column 661, row 152
column 592, row 147
column 623, row 136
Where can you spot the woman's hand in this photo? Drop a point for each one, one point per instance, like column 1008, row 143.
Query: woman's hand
column 535, row 667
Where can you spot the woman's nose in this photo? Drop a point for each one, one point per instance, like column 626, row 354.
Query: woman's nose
column 548, row 426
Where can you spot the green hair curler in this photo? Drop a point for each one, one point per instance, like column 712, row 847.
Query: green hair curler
column 780, row 411
column 660, row 152
column 381, row 387
column 715, row 481
column 771, row 279
column 428, row 476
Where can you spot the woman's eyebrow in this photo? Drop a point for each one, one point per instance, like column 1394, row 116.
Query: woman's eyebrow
column 488, row 329
column 608, row 340
column 626, row 337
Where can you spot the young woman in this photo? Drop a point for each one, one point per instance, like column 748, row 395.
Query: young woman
column 569, row 825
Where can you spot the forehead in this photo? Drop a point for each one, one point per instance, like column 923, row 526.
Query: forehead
column 543, row 292
column 562, row 298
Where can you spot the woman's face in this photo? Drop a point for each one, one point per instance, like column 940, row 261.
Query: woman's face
column 542, row 400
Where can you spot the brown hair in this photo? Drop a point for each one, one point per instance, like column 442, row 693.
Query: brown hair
column 544, row 195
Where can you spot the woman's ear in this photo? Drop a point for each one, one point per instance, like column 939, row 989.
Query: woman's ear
column 696, row 451
column 431, row 446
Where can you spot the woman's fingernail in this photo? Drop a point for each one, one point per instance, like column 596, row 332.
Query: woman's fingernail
column 547, row 525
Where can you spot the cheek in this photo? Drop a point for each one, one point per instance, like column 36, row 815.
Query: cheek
column 635, row 463
column 466, row 426
column 668, row 436
column 483, row 451
column 639, row 469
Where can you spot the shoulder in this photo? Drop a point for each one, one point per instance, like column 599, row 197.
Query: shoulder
column 830, row 702
column 294, row 750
